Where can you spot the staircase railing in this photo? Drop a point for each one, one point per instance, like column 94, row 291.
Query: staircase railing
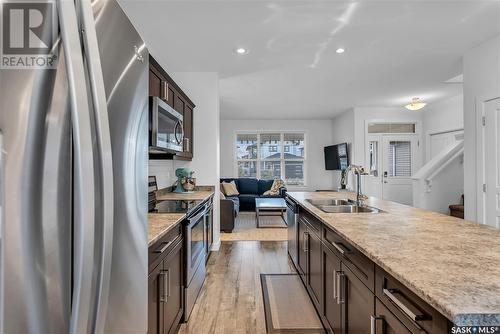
column 437, row 167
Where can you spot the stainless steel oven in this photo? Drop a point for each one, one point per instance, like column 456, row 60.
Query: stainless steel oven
column 166, row 129
column 195, row 232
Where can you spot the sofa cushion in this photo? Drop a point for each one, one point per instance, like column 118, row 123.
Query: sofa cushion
column 230, row 188
column 228, row 180
column 248, row 186
column 265, row 185
column 246, row 199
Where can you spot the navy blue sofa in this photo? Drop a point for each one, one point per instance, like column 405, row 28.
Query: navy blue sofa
column 250, row 189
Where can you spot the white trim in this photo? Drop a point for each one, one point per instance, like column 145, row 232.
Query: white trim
column 216, row 246
column 433, row 133
column 479, row 177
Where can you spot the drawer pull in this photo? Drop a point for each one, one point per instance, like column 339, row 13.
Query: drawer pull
column 389, row 293
column 163, row 248
column 341, row 248
column 373, row 323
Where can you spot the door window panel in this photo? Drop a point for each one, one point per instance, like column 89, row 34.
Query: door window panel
column 399, row 159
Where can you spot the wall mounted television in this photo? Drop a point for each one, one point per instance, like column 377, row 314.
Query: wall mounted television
column 336, row 157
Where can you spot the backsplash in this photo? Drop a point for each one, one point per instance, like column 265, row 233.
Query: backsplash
column 164, row 172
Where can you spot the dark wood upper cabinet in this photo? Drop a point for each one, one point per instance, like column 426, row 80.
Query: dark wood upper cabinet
column 162, row 86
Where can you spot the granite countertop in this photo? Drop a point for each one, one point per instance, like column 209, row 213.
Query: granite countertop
column 198, row 195
column 161, row 223
column 452, row 264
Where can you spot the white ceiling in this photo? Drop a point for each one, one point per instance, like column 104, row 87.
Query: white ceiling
column 394, row 50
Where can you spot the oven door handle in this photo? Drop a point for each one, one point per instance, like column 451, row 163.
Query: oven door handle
column 195, row 219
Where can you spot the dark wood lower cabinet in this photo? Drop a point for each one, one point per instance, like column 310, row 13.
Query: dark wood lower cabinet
column 165, row 291
column 332, row 307
column 302, row 246
column 386, row 323
column 314, row 272
column 359, row 303
column 351, row 293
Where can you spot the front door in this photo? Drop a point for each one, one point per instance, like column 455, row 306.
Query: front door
column 399, row 162
column 491, row 162
column 391, row 160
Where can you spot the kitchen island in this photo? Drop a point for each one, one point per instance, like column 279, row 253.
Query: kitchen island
column 448, row 263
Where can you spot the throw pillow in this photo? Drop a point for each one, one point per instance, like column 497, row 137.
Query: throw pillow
column 230, row 189
column 275, row 188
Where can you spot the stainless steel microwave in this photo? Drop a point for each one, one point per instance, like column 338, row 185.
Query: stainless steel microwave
column 166, row 128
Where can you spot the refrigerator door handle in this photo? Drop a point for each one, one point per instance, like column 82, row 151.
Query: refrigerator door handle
column 83, row 179
column 105, row 165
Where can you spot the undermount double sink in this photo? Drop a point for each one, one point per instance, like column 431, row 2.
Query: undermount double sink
column 342, row 206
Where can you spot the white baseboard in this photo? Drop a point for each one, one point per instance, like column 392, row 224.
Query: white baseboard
column 216, row 246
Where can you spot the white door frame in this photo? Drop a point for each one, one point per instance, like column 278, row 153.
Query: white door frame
column 480, row 178
column 371, row 136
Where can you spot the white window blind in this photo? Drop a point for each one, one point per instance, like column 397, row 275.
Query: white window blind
column 400, row 159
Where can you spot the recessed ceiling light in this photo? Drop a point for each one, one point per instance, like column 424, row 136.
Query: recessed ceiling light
column 415, row 104
column 241, row 51
column 340, row 50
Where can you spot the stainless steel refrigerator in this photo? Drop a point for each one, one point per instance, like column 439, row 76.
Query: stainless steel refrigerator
column 73, row 178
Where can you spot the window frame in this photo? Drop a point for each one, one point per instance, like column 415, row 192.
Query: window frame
column 282, row 159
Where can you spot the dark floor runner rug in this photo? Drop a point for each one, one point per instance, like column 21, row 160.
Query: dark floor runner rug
column 287, row 306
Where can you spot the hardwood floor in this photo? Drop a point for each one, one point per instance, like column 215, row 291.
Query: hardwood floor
column 231, row 298
column 245, row 228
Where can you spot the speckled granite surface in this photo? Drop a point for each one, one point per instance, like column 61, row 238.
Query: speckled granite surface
column 201, row 194
column 160, row 223
column 452, row 264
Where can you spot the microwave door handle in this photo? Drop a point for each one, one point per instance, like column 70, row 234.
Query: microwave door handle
column 105, row 169
column 84, row 189
column 177, row 125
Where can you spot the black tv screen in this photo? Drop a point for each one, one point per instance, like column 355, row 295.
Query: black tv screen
column 336, row 157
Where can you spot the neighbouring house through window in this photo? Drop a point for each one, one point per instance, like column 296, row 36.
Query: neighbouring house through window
column 272, row 155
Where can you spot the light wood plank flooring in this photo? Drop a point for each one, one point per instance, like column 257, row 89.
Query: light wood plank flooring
column 231, row 298
column 245, row 228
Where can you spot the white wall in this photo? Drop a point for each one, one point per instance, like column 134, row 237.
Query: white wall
column 481, row 68
column 318, row 135
column 343, row 131
column 443, row 116
column 203, row 89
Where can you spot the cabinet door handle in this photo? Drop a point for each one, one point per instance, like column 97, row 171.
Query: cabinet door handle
column 164, row 90
column 305, row 243
column 340, row 277
column 165, row 286
column 373, row 324
column 335, row 284
column 405, row 309
column 163, row 248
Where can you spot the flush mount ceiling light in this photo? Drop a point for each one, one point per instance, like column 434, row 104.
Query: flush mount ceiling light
column 241, row 51
column 340, row 50
column 415, row 104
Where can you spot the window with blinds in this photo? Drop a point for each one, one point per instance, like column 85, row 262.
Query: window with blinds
column 399, row 159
